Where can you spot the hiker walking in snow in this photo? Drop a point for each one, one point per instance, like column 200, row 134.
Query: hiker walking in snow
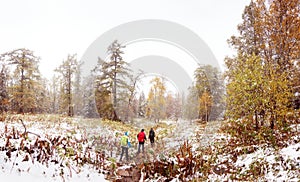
column 151, row 136
column 125, row 144
column 141, row 138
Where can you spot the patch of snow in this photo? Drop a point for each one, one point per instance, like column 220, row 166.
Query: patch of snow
column 291, row 152
column 168, row 122
column 78, row 136
column 124, row 167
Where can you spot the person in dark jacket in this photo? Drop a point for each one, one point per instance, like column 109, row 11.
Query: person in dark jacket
column 141, row 138
column 151, row 136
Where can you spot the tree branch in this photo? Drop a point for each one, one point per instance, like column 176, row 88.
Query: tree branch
column 25, row 130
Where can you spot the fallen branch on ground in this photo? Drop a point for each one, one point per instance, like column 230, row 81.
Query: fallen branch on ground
column 26, row 132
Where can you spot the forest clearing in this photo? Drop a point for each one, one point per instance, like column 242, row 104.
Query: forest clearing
column 54, row 148
column 150, row 84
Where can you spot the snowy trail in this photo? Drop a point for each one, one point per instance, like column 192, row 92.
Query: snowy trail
column 282, row 164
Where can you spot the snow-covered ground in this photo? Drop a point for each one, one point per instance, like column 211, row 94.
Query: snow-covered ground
column 265, row 163
column 18, row 163
column 16, row 170
column 71, row 142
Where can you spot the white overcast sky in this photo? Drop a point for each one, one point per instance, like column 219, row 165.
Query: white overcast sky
column 55, row 28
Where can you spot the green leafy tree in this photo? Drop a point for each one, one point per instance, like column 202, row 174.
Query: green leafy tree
column 245, row 88
column 262, row 77
column 257, row 92
column 271, row 31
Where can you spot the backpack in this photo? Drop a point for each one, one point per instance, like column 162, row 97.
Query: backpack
column 124, row 140
column 141, row 137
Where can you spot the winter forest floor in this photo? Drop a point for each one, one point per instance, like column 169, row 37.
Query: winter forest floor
column 55, row 148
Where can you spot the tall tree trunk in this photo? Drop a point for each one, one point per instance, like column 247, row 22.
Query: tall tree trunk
column 256, row 121
column 21, row 102
column 70, row 113
column 115, row 117
column 206, row 112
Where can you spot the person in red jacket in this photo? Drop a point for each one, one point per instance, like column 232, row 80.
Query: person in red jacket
column 141, row 138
